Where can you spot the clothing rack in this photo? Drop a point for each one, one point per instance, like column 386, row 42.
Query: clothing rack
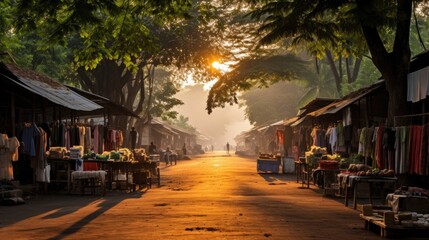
column 410, row 116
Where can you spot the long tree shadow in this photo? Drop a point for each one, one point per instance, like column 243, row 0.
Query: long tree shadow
column 104, row 206
column 277, row 178
column 52, row 206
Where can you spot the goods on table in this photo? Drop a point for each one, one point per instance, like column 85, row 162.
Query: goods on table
column 328, row 164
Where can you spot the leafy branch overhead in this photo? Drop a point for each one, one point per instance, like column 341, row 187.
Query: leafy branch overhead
column 256, row 72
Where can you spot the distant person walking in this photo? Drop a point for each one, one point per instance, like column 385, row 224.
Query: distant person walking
column 184, row 149
column 227, row 147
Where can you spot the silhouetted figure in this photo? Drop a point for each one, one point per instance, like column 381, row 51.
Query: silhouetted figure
column 184, row 148
column 227, row 147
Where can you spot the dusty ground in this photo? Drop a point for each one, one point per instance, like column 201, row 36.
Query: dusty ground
column 208, row 197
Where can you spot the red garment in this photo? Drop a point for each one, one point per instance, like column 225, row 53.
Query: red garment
column 419, row 142
column 423, row 158
column 280, row 137
column 427, row 153
column 379, row 148
column 412, row 149
column 416, row 149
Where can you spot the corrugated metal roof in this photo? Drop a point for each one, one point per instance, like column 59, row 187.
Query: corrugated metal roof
column 111, row 107
column 47, row 88
column 288, row 122
column 163, row 130
column 299, row 121
column 317, row 103
column 314, row 105
column 346, row 101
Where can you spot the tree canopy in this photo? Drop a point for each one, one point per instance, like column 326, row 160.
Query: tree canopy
column 117, row 46
column 341, row 26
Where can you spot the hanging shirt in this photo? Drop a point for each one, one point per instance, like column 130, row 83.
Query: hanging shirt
column 13, row 146
column 28, row 135
column 82, row 136
column 6, row 168
column 333, row 139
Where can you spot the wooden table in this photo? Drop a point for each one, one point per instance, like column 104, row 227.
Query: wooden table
column 326, row 173
column 110, row 166
column 352, row 181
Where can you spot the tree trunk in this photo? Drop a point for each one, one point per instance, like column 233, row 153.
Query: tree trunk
column 334, row 70
column 352, row 74
column 393, row 66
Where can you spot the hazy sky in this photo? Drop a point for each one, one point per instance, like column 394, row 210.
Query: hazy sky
column 223, row 124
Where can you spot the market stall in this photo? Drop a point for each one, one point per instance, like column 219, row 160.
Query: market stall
column 268, row 163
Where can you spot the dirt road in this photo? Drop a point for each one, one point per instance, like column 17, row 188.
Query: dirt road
column 208, row 197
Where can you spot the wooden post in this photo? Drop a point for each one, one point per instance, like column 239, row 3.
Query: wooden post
column 12, row 106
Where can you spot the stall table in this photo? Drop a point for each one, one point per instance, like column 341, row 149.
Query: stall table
column 350, row 182
column 327, row 175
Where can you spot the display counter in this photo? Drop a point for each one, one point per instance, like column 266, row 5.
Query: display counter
column 62, row 169
column 268, row 165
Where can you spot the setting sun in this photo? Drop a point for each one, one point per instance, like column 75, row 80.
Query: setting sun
column 220, row 66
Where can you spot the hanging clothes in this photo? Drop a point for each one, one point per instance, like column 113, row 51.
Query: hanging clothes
column 81, row 136
column 379, row 151
column 95, row 140
column 280, row 137
column 333, row 139
column 88, row 137
column 340, row 133
column 418, row 85
column 423, row 158
column 42, row 169
column 401, row 149
column 14, row 146
column 6, row 149
column 29, row 133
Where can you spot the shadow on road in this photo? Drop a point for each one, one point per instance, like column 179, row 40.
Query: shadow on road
column 57, row 206
column 275, row 177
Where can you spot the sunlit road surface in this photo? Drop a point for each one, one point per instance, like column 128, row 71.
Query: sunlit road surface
column 212, row 196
